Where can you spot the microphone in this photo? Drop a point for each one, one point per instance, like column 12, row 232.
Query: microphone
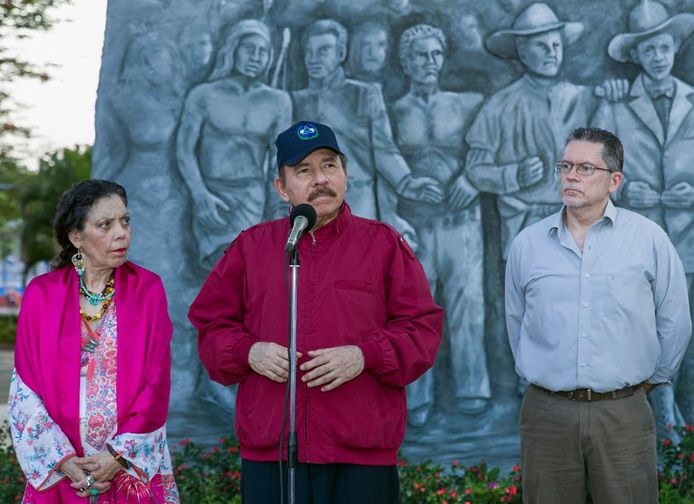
column 302, row 218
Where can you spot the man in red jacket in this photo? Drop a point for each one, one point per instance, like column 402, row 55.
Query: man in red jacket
column 367, row 326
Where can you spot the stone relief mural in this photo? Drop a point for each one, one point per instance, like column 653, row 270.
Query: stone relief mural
column 451, row 113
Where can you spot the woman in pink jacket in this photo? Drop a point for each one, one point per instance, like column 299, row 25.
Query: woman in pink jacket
column 90, row 388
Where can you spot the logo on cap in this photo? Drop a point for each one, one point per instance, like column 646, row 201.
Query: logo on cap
column 307, row 131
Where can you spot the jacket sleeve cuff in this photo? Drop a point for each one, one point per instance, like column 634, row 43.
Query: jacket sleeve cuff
column 402, row 183
column 510, row 175
column 243, row 348
column 372, row 353
column 659, row 378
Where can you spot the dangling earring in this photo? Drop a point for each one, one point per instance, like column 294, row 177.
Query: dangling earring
column 79, row 261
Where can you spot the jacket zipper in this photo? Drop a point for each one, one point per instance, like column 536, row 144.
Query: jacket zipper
column 306, row 423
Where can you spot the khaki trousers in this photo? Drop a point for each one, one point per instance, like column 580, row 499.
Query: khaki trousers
column 608, row 446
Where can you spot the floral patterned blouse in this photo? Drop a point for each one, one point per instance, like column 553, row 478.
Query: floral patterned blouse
column 41, row 446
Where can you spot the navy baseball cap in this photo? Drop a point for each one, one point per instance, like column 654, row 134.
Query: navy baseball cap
column 301, row 139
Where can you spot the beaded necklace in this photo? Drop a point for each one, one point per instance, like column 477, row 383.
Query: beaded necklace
column 95, row 298
column 107, row 297
column 89, row 344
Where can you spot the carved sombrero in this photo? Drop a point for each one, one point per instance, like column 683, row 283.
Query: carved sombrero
column 536, row 18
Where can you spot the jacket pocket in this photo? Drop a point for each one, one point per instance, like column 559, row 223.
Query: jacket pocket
column 365, row 414
column 259, row 404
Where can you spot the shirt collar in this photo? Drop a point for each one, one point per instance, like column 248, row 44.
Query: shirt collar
column 656, row 91
column 335, row 79
column 557, row 226
column 535, row 87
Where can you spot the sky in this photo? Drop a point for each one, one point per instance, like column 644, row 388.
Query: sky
column 60, row 112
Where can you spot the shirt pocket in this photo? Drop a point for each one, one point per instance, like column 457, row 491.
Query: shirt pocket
column 355, row 285
column 620, row 295
column 687, row 131
column 357, row 311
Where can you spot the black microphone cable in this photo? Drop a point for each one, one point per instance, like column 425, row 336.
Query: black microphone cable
column 307, row 211
column 286, row 393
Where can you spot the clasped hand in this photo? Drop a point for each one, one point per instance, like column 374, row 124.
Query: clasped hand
column 102, row 468
column 328, row 368
column 209, row 208
column 679, row 196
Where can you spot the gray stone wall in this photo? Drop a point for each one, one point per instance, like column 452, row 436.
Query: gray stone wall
column 193, row 92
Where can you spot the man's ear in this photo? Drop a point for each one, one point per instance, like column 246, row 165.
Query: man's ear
column 616, row 179
column 343, row 53
column 279, row 187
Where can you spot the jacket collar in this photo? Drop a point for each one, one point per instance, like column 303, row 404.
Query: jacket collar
column 643, row 107
column 336, row 226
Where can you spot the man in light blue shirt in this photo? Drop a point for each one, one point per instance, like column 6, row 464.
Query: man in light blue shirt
column 597, row 315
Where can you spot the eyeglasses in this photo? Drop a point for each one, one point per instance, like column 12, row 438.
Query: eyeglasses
column 583, row 169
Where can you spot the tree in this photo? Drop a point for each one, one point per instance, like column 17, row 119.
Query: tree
column 39, row 197
column 12, row 177
column 18, row 18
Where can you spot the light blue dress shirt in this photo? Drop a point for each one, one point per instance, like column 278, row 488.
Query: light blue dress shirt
column 613, row 316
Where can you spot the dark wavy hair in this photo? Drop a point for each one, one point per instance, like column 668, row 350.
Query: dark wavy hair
column 73, row 207
column 612, row 148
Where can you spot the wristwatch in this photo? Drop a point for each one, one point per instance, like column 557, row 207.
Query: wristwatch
column 119, row 457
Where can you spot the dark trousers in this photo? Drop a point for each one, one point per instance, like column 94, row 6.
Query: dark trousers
column 608, row 446
column 320, row 483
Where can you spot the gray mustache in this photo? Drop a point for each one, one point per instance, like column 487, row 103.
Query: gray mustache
column 322, row 191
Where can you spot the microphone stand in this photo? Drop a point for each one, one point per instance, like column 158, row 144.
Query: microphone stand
column 292, row 446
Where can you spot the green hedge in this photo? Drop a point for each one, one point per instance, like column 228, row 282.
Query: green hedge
column 8, row 329
column 213, row 476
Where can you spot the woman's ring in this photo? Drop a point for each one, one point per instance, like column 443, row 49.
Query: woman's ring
column 94, row 491
column 90, row 480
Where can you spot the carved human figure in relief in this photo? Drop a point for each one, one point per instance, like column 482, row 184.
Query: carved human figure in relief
column 135, row 146
column 225, row 139
column 429, row 127
column 357, row 113
column 197, row 50
column 656, row 124
column 520, row 131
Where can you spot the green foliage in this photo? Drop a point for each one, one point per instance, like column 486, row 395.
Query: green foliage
column 8, row 329
column 429, row 483
column 26, row 14
column 18, row 19
column 12, row 480
column 12, row 177
column 213, row 476
column 39, row 198
column 208, row 476
column 677, row 476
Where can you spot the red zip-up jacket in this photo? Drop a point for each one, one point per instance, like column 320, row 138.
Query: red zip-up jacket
column 359, row 284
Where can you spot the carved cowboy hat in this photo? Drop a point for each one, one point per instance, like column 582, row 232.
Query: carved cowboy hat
column 649, row 18
column 536, row 18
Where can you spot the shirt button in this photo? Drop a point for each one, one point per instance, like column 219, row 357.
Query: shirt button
column 587, row 275
column 586, row 305
column 583, row 364
column 584, row 335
